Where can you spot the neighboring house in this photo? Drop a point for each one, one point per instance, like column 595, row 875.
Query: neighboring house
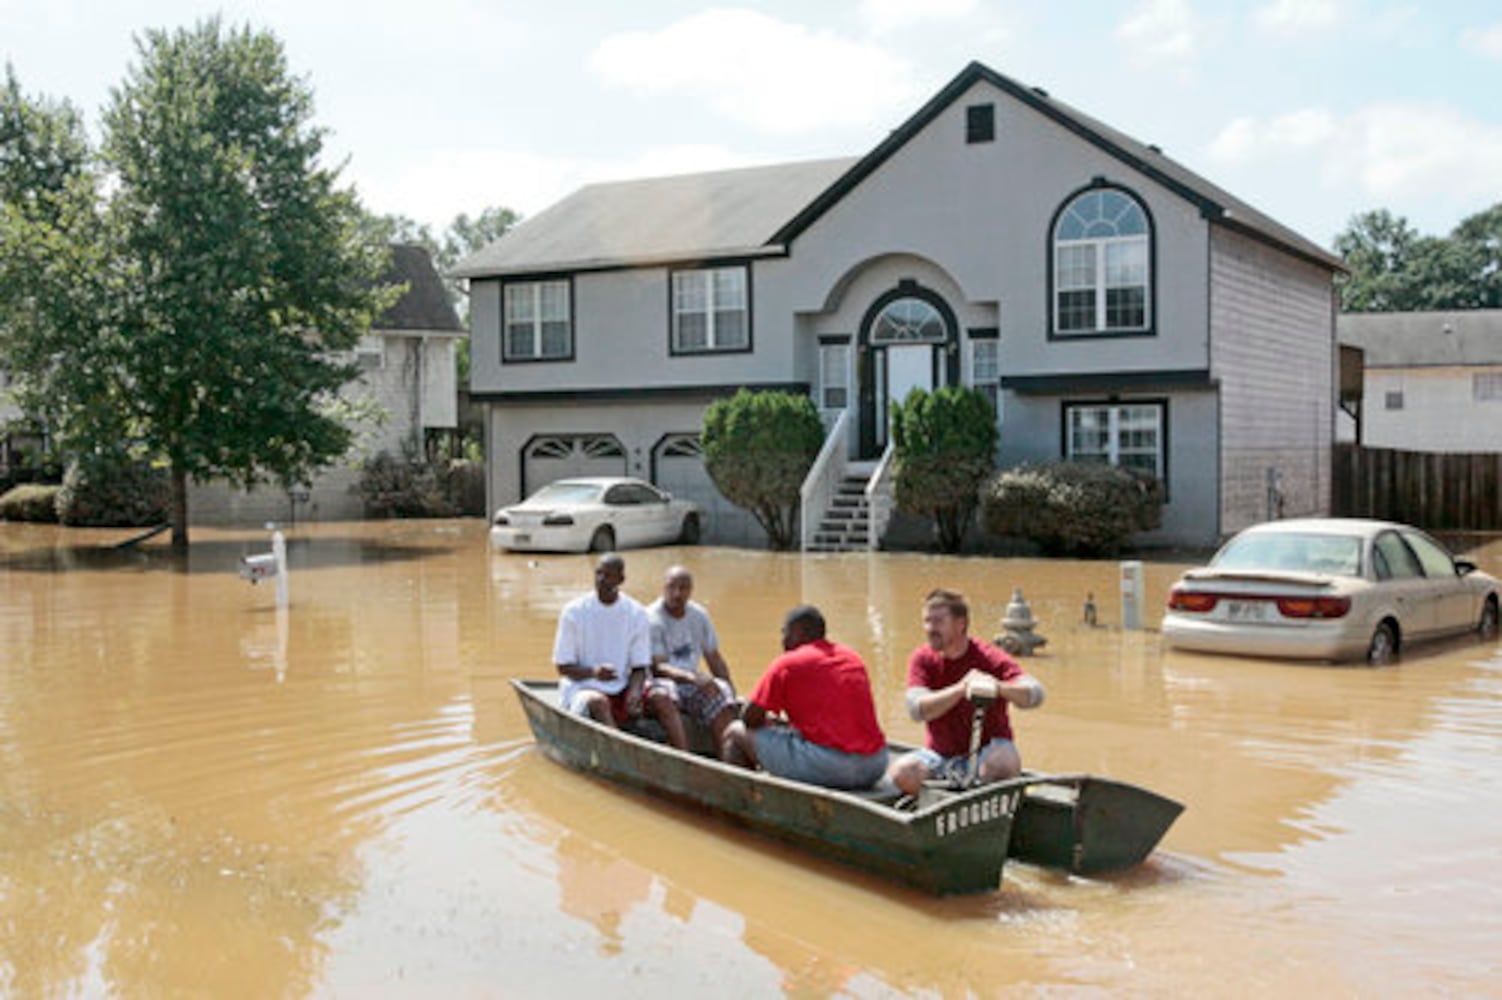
column 1432, row 380
column 409, row 372
column 1115, row 305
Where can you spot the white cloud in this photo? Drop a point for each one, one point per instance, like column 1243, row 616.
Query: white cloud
column 1487, row 41
column 1161, row 29
column 1300, row 17
column 886, row 16
column 1394, row 152
column 779, row 77
column 442, row 183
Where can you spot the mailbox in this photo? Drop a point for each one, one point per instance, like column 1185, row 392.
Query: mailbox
column 258, row 568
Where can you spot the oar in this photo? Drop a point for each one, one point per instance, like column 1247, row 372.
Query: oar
column 981, row 694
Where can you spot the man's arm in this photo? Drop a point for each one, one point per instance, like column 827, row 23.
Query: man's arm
column 1024, row 691
column 574, row 672
column 719, row 667
column 753, row 715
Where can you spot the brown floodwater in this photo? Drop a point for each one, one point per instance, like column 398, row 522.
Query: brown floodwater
column 202, row 795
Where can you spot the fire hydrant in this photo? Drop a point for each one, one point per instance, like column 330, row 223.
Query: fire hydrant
column 1019, row 639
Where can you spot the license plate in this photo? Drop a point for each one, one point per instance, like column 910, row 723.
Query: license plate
column 522, row 538
column 1248, row 611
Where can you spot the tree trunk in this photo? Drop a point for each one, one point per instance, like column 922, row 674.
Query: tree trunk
column 179, row 507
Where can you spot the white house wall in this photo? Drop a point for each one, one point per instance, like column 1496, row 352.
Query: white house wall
column 1273, row 354
column 982, row 212
column 1439, row 413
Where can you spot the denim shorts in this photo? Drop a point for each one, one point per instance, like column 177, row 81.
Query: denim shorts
column 957, row 767
column 784, row 752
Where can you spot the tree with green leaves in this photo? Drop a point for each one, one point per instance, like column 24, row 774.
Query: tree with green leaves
column 1394, row 268
column 944, row 447
column 205, row 321
column 758, row 447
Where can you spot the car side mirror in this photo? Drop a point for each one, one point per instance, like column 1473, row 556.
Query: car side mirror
column 1464, row 566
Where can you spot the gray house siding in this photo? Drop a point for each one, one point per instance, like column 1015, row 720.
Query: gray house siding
column 1273, row 354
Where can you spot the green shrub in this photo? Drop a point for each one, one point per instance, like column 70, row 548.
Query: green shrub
column 393, row 486
column 758, row 447
column 113, row 491
column 29, row 502
column 1072, row 508
column 945, row 447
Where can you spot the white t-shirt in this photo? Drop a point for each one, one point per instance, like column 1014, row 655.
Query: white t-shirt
column 591, row 633
column 682, row 641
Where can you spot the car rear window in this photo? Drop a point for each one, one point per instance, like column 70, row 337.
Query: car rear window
column 566, row 493
column 1336, row 554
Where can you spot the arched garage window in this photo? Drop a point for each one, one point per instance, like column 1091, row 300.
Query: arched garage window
column 1102, row 262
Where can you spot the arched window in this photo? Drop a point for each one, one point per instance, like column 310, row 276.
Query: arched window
column 908, row 320
column 1102, row 260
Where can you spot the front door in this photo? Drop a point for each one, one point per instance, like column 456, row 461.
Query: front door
column 909, row 341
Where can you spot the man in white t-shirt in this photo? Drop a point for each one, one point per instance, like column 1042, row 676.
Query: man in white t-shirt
column 682, row 636
column 603, row 650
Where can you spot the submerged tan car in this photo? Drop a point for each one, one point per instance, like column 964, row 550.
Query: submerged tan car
column 1328, row 589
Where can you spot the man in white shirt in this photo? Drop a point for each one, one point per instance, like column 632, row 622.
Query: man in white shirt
column 603, row 651
column 682, row 636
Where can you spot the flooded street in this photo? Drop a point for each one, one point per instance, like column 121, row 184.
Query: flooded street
column 199, row 794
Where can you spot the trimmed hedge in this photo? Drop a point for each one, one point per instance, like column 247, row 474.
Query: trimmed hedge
column 1072, row 508
column 30, row 502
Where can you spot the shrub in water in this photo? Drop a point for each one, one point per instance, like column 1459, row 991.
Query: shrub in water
column 29, row 502
column 113, row 491
column 1072, row 508
column 401, row 487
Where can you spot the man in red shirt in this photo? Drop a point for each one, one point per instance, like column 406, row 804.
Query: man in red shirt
column 831, row 737
column 940, row 678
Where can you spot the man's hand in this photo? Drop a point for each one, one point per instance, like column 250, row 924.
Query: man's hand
column 706, row 683
column 604, row 672
column 634, row 692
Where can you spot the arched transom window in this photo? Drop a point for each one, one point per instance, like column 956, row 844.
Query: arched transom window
column 1101, row 264
column 908, row 320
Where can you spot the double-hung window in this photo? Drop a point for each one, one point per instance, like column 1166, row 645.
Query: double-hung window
column 711, row 310
column 1126, row 434
column 539, row 322
column 1101, row 265
column 985, row 369
column 834, row 375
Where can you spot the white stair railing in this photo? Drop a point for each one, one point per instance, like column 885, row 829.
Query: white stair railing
column 823, row 480
column 879, row 502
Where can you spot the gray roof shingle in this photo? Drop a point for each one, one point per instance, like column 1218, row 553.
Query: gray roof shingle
column 1424, row 339
column 725, row 213
column 425, row 305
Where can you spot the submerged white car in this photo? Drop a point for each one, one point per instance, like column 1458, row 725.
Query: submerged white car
column 595, row 515
column 1328, row 589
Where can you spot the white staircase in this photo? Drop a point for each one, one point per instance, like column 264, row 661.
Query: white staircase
column 846, row 523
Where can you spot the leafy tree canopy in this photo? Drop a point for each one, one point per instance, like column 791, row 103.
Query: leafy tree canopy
column 1395, row 268
column 198, row 306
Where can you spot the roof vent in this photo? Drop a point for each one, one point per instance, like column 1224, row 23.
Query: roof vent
column 1040, row 91
column 1155, row 147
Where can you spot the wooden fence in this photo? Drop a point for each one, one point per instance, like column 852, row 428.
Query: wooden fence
column 1438, row 492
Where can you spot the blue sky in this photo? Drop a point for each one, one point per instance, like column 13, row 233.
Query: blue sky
column 1311, row 110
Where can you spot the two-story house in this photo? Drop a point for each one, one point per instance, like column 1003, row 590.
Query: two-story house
column 408, row 380
column 1432, row 381
column 1118, row 308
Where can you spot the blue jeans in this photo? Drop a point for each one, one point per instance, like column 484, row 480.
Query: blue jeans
column 783, row 751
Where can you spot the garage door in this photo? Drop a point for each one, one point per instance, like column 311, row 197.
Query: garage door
column 678, row 467
column 561, row 456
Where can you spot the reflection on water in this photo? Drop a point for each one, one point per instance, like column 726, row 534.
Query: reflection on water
column 201, row 794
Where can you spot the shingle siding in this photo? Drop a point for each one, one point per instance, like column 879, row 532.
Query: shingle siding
column 1272, row 337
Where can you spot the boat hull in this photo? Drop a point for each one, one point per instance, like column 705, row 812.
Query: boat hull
column 951, row 844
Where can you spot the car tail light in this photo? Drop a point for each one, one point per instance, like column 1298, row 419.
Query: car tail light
column 557, row 520
column 502, row 520
column 1191, row 600
column 1314, row 607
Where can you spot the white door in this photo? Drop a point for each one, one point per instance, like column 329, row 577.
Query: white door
column 907, row 368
